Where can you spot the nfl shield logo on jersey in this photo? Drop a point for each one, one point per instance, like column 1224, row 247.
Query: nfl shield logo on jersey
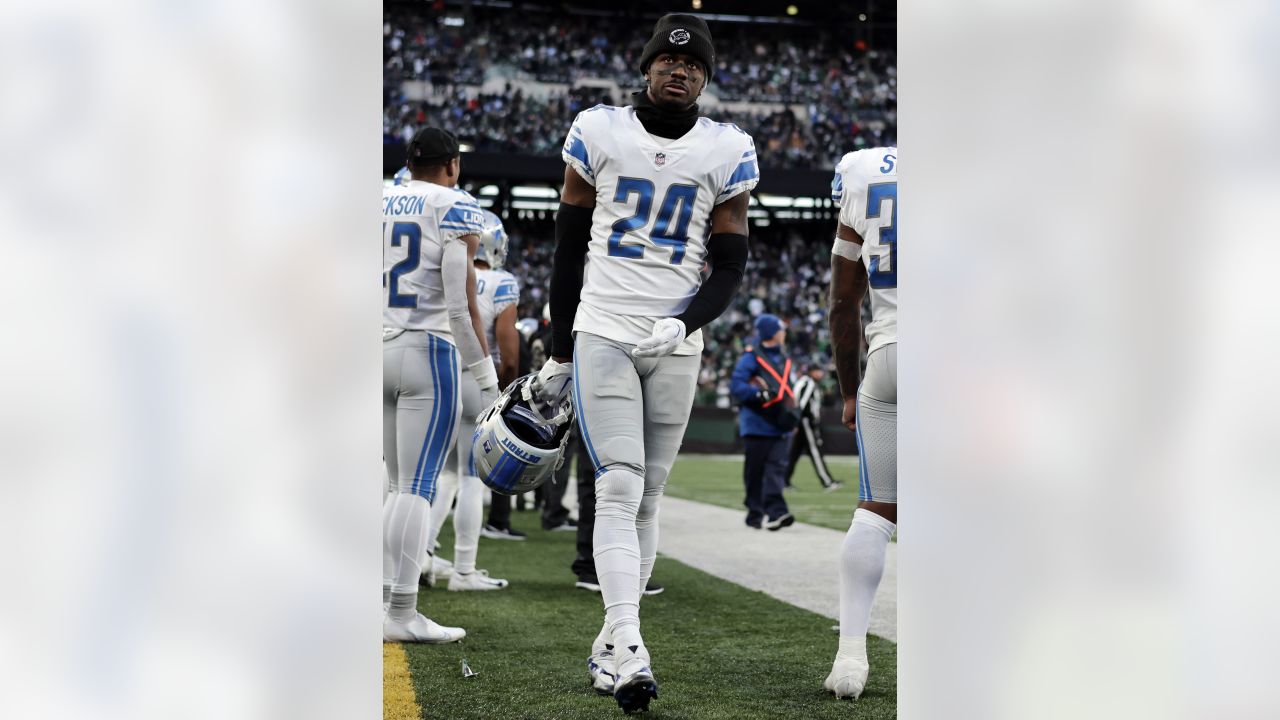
column 660, row 159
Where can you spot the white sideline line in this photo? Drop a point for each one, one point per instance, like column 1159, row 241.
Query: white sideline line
column 797, row 565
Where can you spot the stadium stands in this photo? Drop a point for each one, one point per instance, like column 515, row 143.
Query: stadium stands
column 805, row 94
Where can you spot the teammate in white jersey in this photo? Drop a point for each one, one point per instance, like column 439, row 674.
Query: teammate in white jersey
column 497, row 294
column 430, row 232
column 651, row 191
column 865, row 255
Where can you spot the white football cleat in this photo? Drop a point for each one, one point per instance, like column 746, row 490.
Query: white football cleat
column 477, row 580
column 848, row 678
column 441, row 569
column 601, row 666
column 635, row 685
column 419, row 630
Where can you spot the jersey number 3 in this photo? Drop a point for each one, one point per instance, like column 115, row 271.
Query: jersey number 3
column 878, row 275
column 412, row 233
column 670, row 229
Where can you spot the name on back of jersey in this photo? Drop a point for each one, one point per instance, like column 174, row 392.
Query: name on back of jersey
column 404, row 205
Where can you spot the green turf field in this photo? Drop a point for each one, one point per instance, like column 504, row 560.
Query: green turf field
column 719, row 650
column 719, row 482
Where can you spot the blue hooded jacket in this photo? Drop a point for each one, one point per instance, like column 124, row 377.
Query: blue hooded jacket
column 750, row 420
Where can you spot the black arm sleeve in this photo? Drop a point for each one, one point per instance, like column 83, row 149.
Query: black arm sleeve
column 573, row 234
column 728, row 262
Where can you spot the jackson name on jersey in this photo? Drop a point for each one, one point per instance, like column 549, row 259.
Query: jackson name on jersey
column 418, row 219
column 654, row 198
column 866, row 189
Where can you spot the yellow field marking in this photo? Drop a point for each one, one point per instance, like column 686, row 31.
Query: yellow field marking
column 398, row 701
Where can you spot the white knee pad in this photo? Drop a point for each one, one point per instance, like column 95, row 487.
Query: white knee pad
column 648, row 510
column 619, row 490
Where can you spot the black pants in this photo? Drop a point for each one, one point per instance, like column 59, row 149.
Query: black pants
column 808, row 440
column 584, row 565
column 500, row 511
column 553, row 510
column 764, row 475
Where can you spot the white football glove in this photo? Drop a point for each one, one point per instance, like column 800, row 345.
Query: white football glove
column 667, row 335
column 552, row 381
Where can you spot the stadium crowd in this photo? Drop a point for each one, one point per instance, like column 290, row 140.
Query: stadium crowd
column 842, row 96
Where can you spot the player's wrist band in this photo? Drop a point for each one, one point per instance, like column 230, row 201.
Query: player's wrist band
column 846, row 249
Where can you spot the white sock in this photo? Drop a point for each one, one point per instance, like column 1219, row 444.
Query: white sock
column 403, row 541
column 603, row 641
column 466, row 524
column 446, row 488
column 861, row 566
column 617, row 552
column 388, row 559
column 852, row 648
column 647, row 535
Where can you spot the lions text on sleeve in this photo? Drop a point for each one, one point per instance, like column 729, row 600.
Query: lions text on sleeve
column 652, row 218
column 418, row 220
column 866, row 189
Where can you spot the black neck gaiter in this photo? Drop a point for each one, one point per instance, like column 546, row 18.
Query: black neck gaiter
column 671, row 124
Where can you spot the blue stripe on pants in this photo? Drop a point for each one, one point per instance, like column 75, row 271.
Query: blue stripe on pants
column 449, row 393
column 444, row 376
column 435, row 417
column 864, row 476
column 582, row 418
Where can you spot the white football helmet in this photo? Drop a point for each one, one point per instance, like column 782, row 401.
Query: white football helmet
column 517, row 444
column 493, row 241
column 402, row 177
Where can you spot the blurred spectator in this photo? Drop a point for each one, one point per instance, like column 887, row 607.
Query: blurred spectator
column 808, row 439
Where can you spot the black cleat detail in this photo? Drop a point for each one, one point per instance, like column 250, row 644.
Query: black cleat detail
column 608, row 646
column 635, row 698
column 632, row 648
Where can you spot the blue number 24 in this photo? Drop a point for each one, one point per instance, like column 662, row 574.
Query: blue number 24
column 671, row 228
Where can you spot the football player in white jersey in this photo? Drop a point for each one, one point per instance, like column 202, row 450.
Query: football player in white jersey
column 430, row 233
column 497, row 294
column 865, row 255
column 651, row 191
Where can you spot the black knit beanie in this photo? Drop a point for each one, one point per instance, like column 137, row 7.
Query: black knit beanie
column 680, row 34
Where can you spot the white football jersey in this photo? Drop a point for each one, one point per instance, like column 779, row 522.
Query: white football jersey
column 866, row 189
column 418, row 219
column 496, row 290
column 652, row 218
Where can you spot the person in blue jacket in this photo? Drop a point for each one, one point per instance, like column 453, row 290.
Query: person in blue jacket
column 767, row 415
